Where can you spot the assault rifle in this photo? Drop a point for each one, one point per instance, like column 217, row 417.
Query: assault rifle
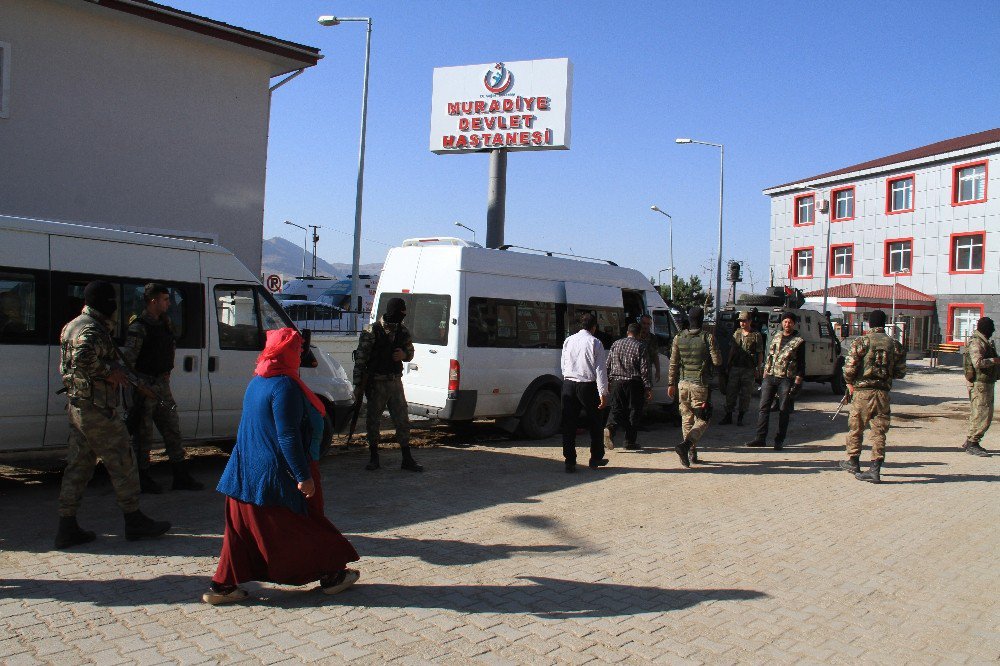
column 843, row 401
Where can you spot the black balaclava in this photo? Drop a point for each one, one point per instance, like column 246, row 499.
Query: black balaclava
column 876, row 319
column 695, row 318
column 985, row 326
column 100, row 295
column 395, row 310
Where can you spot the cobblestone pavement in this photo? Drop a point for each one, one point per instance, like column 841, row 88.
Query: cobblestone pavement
column 495, row 555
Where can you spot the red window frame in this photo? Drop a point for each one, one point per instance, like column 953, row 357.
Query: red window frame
column 885, row 255
column 951, row 319
column 954, row 182
column 833, row 203
column 832, row 264
column 888, row 194
column 795, row 262
column 795, row 210
column 951, row 252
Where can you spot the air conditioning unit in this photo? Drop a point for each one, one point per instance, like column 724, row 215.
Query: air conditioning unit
column 823, row 205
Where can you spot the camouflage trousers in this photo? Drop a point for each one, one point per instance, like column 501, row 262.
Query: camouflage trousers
column 382, row 394
column 869, row 409
column 691, row 401
column 740, row 384
column 163, row 415
column 981, row 399
column 97, row 433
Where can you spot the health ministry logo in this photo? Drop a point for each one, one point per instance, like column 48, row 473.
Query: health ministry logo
column 498, row 79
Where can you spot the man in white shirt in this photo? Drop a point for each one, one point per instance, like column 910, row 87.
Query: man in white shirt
column 585, row 386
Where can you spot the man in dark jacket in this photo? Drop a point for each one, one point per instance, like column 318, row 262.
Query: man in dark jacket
column 378, row 373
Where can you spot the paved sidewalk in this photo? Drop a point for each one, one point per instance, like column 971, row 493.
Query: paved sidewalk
column 495, row 555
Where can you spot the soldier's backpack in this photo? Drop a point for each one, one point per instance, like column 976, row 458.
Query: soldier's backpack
column 967, row 367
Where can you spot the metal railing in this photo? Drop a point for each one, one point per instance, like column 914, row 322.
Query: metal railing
column 341, row 322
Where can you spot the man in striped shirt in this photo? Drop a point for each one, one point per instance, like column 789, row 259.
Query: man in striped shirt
column 631, row 386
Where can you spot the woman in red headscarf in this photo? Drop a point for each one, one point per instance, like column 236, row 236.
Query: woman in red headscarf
column 275, row 527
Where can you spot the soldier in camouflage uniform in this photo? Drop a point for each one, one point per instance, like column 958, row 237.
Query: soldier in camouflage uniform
column 982, row 354
column 746, row 353
column 873, row 362
column 93, row 377
column 784, row 370
column 149, row 351
column 691, row 359
column 378, row 372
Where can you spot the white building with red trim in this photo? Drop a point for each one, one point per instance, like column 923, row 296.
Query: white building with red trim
column 923, row 220
column 136, row 115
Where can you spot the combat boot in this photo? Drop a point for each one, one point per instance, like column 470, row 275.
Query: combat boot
column 852, row 465
column 682, row 452
column 183, row 480
column 872, row 475
column 693, row 456
column 727, row 419
column 70, row 533
column 973, row 449
column 739, row 419
column 147, row 484
column 139, row 526
column 372, row 459
column 409, row 464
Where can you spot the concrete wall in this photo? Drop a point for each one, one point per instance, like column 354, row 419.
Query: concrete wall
column 929, row 225
column 120, row 121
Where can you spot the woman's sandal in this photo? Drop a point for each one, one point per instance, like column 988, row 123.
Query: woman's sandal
column 339, row 582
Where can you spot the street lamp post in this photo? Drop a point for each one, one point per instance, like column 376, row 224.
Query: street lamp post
column 304, row 240
column 327, row 21
column 656, row 209
column 722, row 182
column 459, row 224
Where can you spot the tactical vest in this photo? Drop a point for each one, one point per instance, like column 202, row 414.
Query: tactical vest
column 380, row 361
column 156, row 356
column 79, row 385
column 783, row 363
column 878, row 361
column 695, row 360
column 746, row 347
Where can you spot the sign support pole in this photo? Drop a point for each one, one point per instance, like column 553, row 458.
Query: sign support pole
column 497, row 199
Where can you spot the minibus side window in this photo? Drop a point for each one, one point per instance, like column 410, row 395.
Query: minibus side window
column 502, row 323
column 427, row 316
column 19, row 305
column 236, row 312
column 609, row 322
column 132, row 293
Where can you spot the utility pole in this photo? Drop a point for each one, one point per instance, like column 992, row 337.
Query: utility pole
column 314, row 227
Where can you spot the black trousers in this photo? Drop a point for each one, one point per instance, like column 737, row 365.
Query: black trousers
column 628, row 397
column 769, row 388
column 576, row 396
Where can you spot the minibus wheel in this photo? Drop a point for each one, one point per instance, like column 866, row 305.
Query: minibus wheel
column 542, row 417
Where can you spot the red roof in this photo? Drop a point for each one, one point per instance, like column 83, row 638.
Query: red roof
column 875, row 292
column 946, row 146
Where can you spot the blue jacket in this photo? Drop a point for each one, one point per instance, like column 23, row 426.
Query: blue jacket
column 276, row 439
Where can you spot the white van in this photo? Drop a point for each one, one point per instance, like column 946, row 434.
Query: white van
column 219, row 308
column 488, row 326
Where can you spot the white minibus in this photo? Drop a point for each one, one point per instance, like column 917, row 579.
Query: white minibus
column 488, row 326
column 219, row 308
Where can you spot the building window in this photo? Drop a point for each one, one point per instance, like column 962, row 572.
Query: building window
column 4, row 80
column 968, row 184
column 842, row 260
column 843, row 204
column 803, row 262
column 967, row 252
column 805, row 209
column 899, row 256
column 899, row 195
column 962, row 320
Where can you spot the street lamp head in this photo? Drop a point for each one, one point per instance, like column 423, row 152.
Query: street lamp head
column 328, row 21
column 654, row 208
column 682, row 140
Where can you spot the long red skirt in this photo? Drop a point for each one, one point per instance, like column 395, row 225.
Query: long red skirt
column 276, row 545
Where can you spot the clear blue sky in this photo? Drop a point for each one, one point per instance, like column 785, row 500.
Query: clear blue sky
column 792, row 89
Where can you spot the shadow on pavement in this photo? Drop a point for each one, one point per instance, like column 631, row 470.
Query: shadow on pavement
column 445, row 552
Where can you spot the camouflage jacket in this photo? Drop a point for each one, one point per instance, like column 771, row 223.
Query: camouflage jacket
column 136, row 335
column 784, row 360
column 747, row 349
column 397, row 335
column 87, row 355
column 874, row 360
column 982, row 352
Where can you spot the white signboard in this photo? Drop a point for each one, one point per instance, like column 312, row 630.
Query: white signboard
column 521, row 105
